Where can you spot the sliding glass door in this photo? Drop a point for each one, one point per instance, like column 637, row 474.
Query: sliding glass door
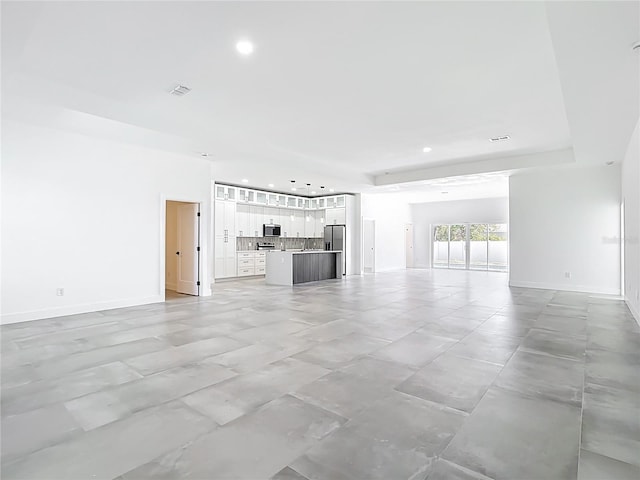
column 440, row 246
column 479, row 252
column 458, row 246
column 471, row 246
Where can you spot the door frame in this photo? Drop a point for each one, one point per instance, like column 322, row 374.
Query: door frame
column 408, row 227
column 163, row 243
column 373, row 221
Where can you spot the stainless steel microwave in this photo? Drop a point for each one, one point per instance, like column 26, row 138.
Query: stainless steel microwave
column 270, row 230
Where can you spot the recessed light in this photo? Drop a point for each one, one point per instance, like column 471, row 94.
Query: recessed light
column 244, row 47
column 500, row 139
column 204, row 154
column 270, row 185
column 244, row 180
column 609, row 163
column 426, row 149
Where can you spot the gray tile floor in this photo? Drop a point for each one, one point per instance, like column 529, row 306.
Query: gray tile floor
column 404, row 375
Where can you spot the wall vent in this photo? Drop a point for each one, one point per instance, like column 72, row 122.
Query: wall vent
column 180, row 90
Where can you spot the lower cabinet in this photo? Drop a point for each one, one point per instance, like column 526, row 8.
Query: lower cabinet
column 225, row 257
column 311, row 267
column 251, row 263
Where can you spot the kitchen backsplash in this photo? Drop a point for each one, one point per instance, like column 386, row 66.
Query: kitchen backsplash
column 250, row 243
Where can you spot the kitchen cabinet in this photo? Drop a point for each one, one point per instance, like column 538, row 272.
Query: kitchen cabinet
column 336, row 216
column 297, row 225
column 224, row 192
column 225, row 257
column 310, row 224
column 243, row 221
column 225, row 218
column 320, row 224
column 251, row 263
column 284, row 214
column 225, row 239
column 271, row 216
column 256, row 220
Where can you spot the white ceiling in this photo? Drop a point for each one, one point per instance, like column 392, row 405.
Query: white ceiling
column 336, row 93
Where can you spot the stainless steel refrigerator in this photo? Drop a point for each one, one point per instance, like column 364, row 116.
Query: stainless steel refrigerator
column 335, row 238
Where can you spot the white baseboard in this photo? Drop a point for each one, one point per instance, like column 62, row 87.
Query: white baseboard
column 632, row 309
column 7, row 318
column 563, row 287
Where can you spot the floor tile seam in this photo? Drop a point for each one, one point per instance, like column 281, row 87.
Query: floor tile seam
column 633, row 465
column 81, row 431
column 463, row 468
column 120, row 359
column 542, row 398
column 57, row 380
column 534, row 351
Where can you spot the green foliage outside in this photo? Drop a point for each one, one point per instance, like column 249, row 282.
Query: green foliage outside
column 477, row 232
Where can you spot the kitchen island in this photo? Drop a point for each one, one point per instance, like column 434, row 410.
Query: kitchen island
column 294, row 267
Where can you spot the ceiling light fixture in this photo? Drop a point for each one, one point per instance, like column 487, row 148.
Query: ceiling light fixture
column 204, row 154
column 244, row 47
column 180, row 90
column 426, row 149
column 500, row 139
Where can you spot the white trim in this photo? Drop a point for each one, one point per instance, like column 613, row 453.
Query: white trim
column 632, row 309
column 564, row 287
column 204, row 292
column 77, row 309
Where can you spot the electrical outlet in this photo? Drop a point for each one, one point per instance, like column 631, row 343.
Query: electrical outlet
column 60, row 292
column 567, row 274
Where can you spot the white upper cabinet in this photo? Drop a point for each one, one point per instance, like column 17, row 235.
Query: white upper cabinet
column 285, row 215
column 271, row 215
column 297, row 226
column 224, row 192
column 256, row 220
column 225, row 219
column 243, row 219
column 336, row 216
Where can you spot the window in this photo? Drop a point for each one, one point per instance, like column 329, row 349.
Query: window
column 471, row 246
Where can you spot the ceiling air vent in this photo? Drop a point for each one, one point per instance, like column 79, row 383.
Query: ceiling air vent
column 180, row 90
column 500, row 139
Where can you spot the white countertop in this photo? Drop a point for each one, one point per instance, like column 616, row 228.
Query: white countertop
column 298, row 252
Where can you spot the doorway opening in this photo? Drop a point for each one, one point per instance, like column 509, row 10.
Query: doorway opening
column 368, row 245
column 182, row 249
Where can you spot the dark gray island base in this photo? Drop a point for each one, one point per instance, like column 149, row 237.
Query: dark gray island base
column 291, row 268
column 313, row 267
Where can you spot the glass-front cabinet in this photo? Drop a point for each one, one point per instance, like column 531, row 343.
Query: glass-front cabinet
column 224, row 192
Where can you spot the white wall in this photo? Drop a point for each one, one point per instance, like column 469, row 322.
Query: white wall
column 631, row 196
column 423, row 215
column 391, row 213
column 566, row 220
column 87, row 215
